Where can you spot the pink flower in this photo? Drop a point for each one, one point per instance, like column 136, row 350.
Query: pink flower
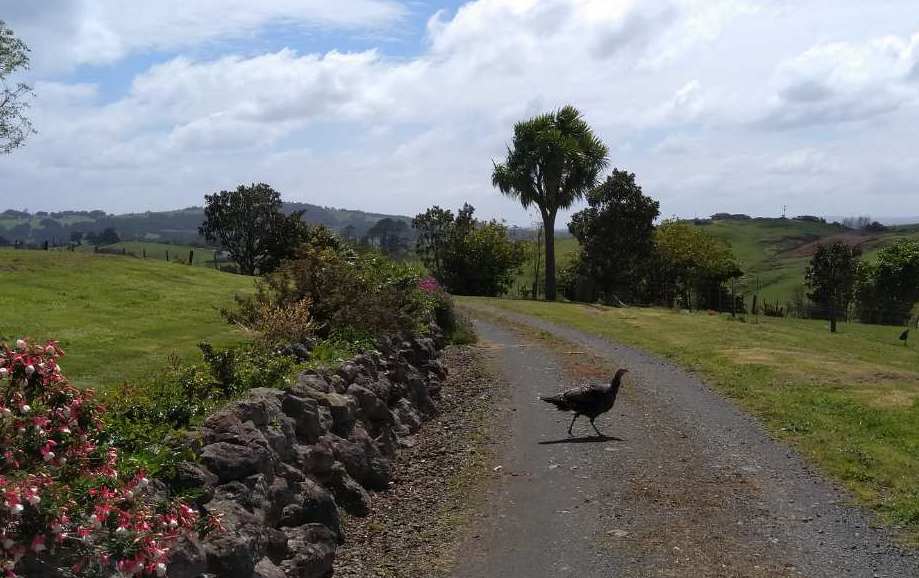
column 38, row 543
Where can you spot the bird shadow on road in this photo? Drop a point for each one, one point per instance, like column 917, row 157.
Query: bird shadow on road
column 582, row 440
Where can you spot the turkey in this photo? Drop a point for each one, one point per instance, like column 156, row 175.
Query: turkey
column 590, row 400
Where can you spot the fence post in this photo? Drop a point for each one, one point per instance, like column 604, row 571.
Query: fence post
column 191, row 256
column 124, row 250
column 46, row 245
column 167, row 254
column 95, row 248
column 144, row 250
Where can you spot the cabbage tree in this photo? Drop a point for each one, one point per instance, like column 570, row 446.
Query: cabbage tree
column 554, row 160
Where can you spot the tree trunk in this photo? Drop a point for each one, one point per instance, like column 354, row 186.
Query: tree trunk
column 832, row 318
column 549, row 226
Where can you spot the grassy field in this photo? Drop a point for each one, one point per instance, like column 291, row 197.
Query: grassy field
column 117, row 318
column 565, row 251
column 849, row 402
column 159, row 251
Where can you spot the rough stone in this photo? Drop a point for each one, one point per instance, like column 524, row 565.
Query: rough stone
column 234, row 462
column 267, row 569
column 187, row 559
column 312, row 381
column 349, row 494
column 305, row 415
column 372, row 406
column 313, row 552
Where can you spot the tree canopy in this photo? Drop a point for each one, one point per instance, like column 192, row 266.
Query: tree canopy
column 249, row 225
column 888, row 289
column 15, row 126
column 554, row 160
column 689, row 260
column 616, row 234
column 831, row 277
column 468, row 256
column 390, row 235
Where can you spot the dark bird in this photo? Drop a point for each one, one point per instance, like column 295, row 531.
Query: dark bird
column 590, row 400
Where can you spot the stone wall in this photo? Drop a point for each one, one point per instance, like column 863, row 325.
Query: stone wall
column 279, row 465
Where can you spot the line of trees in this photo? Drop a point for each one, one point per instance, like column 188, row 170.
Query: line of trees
column 883, row 291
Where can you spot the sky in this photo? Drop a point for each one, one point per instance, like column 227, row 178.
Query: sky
column 395, row 105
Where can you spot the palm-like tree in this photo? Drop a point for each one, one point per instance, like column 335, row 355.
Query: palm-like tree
column 555, row 159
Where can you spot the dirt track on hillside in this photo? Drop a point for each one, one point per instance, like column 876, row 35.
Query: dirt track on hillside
column 686, row 484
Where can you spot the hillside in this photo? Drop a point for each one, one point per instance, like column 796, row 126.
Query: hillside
column 774, row 252
column 118, row 318
column 180, row 226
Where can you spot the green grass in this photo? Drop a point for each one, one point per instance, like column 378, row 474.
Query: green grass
column 775, row 252
column 849, row 402
column 158, row 251
column 117, row 318
column 566, row 250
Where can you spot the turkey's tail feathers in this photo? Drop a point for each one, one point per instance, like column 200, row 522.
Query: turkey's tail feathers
column 558, row 401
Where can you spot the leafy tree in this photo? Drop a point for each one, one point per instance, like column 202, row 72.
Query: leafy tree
column 108, row 237
column 689, row 261
column 433, row 232
column 249, row 225
column 349, row 233
column 554, row 160
column 15, row 126
column 391, row 236
column 468, row 256
column 831, row 277
column 887, row 290
column 616, row 234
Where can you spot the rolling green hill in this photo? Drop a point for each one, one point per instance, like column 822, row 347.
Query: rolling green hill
column 117, row 318
column 773, row 253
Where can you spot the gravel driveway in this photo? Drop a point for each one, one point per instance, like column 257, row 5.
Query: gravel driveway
column 686, row 485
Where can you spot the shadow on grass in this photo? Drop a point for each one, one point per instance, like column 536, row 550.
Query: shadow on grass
column 582, row 440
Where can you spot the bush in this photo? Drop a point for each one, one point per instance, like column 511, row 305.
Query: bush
column 146, row 422
column 457, row 328
column 65, row 502
column 469, row 256
column 365, row 295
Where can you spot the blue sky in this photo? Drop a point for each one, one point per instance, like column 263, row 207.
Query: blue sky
column 391, row 106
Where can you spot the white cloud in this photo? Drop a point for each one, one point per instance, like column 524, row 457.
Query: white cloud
column 845, row 82
column 73, row 32
column 686, row 93
column 802, row 162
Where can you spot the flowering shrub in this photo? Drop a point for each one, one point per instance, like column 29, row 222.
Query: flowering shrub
column 457, row 328
column 430, row 286
column 62, row 498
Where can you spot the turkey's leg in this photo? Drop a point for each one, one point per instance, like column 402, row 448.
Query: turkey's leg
column 595, row 428
column 572, row 424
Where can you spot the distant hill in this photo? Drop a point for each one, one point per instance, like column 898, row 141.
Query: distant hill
column 180, row 226
column 772, row 252
column 775, row 252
